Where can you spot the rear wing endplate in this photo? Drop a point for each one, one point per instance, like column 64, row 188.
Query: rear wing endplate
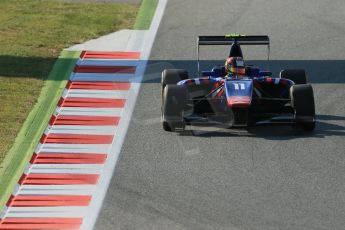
column 232, row 38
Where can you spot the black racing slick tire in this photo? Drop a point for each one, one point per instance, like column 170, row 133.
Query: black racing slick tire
column 172, row 76
column 302, row 102
column 296, row 75
column 174, row 104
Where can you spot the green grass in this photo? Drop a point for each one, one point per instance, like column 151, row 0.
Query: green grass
column 35, row 123
column 32, row 35
column 45, row 27
column 145, row 15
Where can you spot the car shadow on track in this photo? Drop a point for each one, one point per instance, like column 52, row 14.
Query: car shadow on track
column 324, row 127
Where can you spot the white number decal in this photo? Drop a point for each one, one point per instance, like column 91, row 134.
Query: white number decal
column 240, row 86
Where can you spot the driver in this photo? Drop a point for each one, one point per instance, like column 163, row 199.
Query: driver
column 235, row 67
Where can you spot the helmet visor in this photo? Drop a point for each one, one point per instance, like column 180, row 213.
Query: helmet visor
column 239, row 70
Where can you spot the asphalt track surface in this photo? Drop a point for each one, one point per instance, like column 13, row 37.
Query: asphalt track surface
column 263, row 178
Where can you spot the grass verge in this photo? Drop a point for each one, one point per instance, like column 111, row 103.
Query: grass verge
column 35, row 124
column 145, row 15
column 25, row 65
column 33, row 33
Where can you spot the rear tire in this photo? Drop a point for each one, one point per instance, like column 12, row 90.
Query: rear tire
column 174, row 104
column 172, row 76
column 296, row 75
column 302, row 101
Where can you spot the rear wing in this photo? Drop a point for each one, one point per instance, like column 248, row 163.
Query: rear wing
column 234, row 38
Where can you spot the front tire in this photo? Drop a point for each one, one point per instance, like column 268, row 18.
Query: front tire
column 174, row 104
column 302, row 101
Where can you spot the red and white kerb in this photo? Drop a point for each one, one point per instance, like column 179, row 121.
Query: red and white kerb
column 61, row 178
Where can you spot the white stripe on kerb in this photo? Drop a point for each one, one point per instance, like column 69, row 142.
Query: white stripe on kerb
column 64, row 211
column 66, row 168
column 86, row 93
column 74, row 148
column 110, row 62
column 3, row 212
column 77, row 111
column 101, row 77
column 65, row 93
column 56, row 190
column 83, row 129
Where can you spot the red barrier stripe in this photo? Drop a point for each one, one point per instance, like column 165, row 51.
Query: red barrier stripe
column 68, row 158
column 110, row 55
column 92, row 102
column 98, row 85
column 58, row 179
column 40, row 223
column 46, row 200
column 76, row 139
column 83, row 120
column 105, row 69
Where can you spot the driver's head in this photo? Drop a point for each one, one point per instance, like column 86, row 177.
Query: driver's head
column 235, row 65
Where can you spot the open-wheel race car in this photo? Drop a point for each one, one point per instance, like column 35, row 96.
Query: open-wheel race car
column 236, row 94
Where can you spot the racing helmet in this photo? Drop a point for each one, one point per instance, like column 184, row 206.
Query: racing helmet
column 235, row 65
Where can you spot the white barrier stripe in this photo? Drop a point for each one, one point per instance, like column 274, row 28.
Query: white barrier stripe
column 83, row 129
column 56, row 190
column 110, row 62
column 87, row 93
column 74, row 148
column 66, row 168
column 101, row 77
column 77, row 111
column 56, row 211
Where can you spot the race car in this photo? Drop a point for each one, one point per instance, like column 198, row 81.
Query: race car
column 236, row 94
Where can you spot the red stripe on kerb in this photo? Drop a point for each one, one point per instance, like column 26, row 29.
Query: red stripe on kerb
column 110, row 55
column 76, row 139
column 58, row 179
column 47, row 200
column 40, row 223
column 98, row 85
column 92, row 102
column 105, row 69
column 68, row 158
column 84, row 120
